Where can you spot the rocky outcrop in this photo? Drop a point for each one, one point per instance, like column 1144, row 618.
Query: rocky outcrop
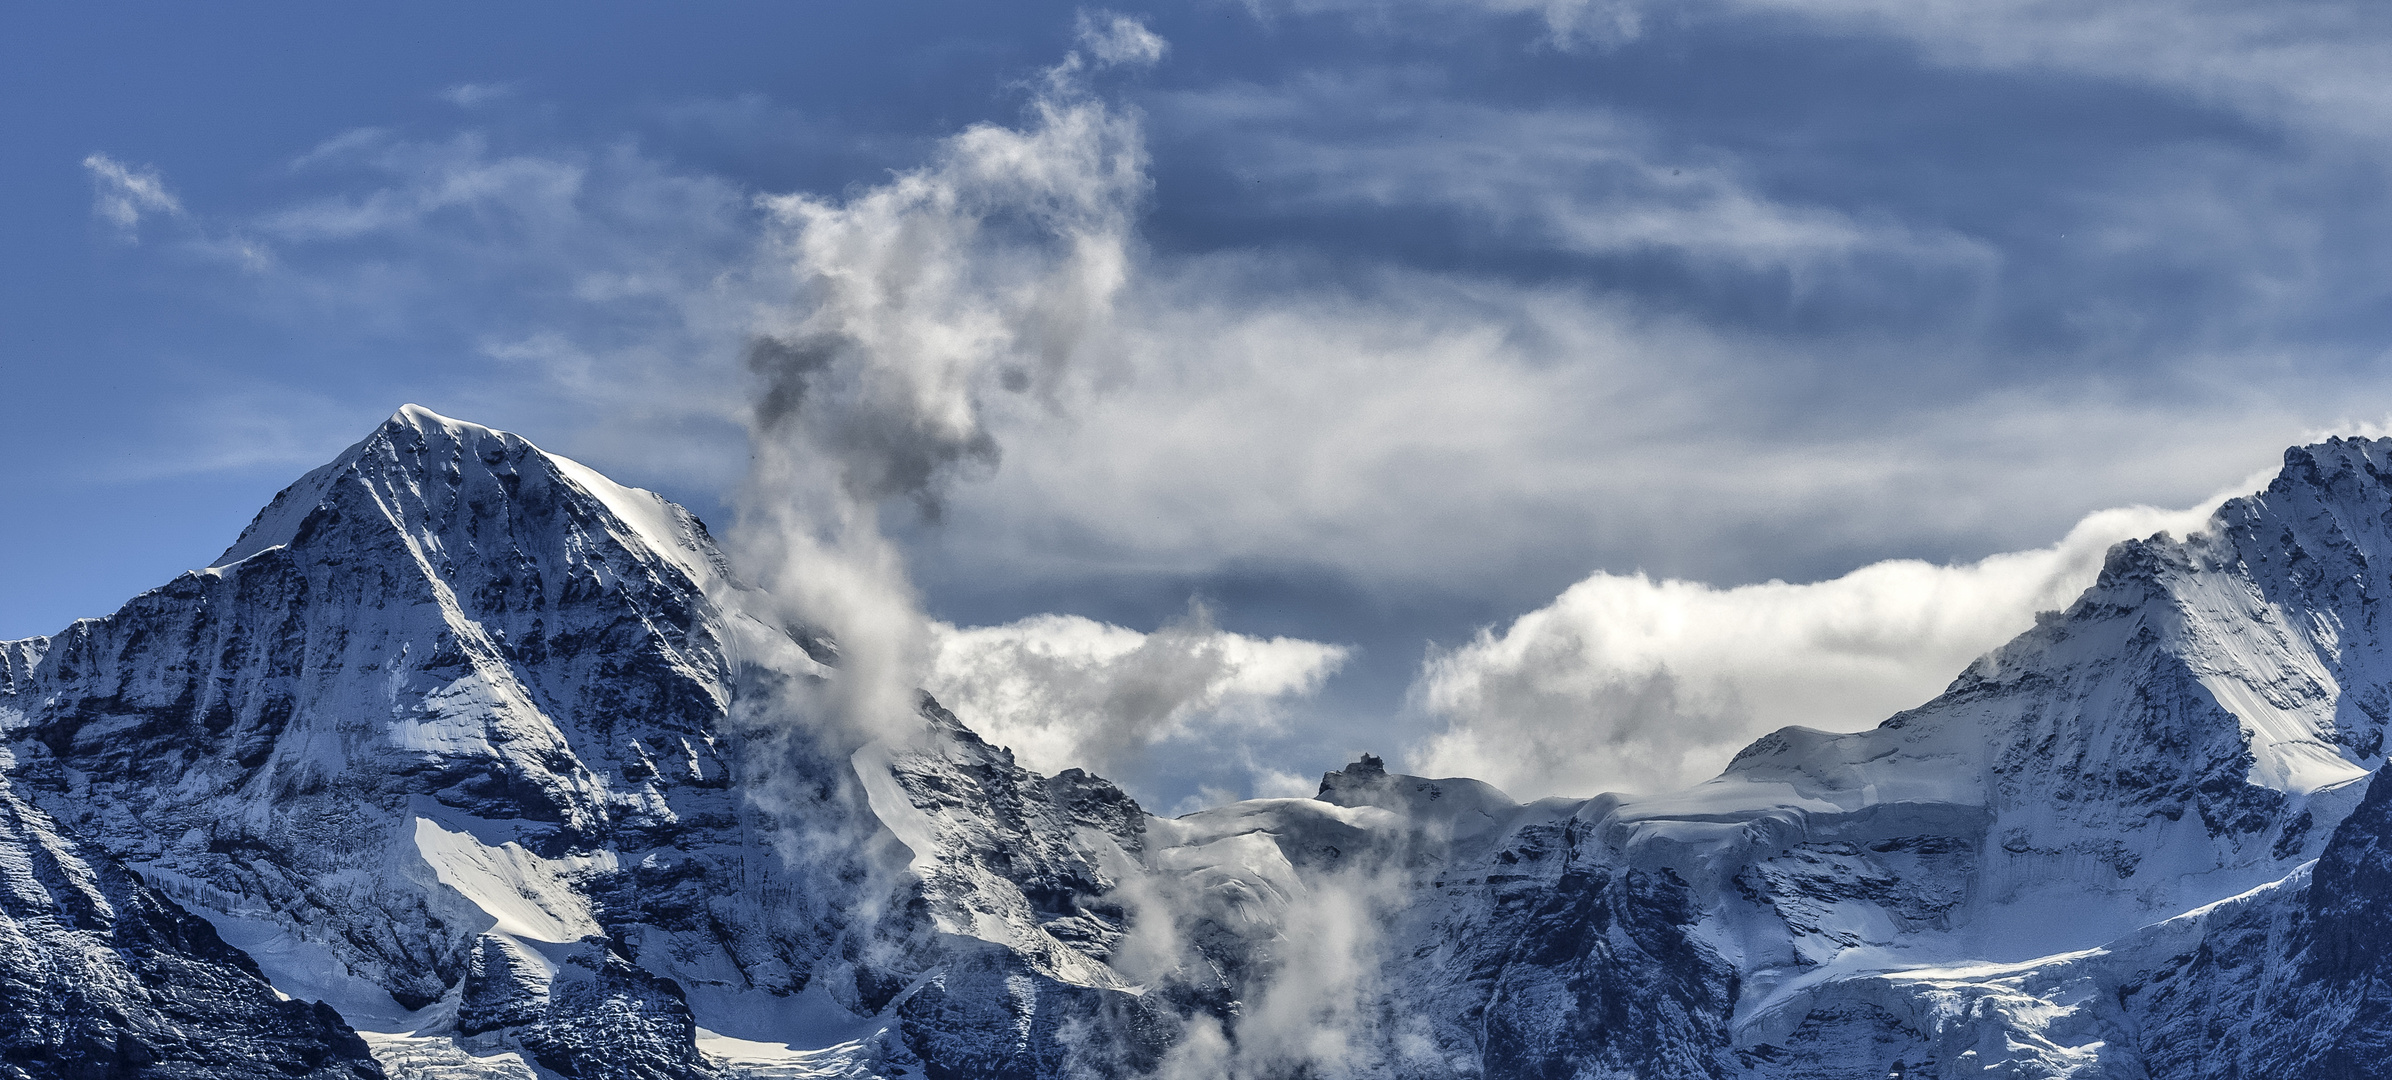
column 101, row 977
column 2342, row 1025
column 581, row 1011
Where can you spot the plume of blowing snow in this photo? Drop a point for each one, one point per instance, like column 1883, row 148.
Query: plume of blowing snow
column 992, row 271
column 1625, row 683
column 984, row 272
column 1310, row 1012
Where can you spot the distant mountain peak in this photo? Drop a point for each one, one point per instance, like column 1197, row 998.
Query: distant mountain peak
column 408, row 450
column 430, row 475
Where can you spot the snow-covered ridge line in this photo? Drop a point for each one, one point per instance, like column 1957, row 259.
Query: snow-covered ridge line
column 496, row 756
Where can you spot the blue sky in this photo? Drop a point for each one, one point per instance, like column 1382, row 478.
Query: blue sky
column 1425, row 312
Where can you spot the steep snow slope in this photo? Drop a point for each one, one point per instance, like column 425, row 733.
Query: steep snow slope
column 2291, row 979
column 501, row 760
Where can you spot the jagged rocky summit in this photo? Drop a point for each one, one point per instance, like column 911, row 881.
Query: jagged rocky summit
column 466, row 761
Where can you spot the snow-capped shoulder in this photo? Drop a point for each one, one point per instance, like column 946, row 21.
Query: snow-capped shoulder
column 279, row 522
column 658, row 522
column 418, row 417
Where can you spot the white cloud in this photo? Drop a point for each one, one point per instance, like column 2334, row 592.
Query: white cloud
column 1064, row 691
column 121, row 195
column 476, row 95
column 2313, row 63
column 1113, row 38
column 1440, row 435
column 1586, row 180
column 1626, row 683
column 2318, row 64
column 984, row 273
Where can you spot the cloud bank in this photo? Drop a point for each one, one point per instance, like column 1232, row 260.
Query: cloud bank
column 1064, row 691
column 1627, row 683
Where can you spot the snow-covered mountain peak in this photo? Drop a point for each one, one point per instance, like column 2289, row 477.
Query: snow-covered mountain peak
column 440, row 480
column 412, row 426
column 2268, row 607
column 2191, row 727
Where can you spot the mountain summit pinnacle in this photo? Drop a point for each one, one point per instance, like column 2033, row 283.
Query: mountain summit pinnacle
column 449, row 485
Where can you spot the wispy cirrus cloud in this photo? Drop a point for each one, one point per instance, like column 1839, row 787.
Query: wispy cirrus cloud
column 1567, row 24
column 230, row 423
column 122, row 195
column 1581, row 179
column 476, row 95
column 506, row 192
column 543, row 284
column 1114, row 38
column 2312, row 64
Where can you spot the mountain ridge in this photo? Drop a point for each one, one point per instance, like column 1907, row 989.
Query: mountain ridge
column 501, row 759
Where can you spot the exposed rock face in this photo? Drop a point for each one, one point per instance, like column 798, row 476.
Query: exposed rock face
column 1019, row 875
column 102, row 977
column 2339, row 1024
column 498, row 759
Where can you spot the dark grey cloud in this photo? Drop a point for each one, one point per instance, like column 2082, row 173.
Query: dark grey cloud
column 883, row 452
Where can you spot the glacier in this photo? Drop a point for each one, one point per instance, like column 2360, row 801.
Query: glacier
column 464, row 760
